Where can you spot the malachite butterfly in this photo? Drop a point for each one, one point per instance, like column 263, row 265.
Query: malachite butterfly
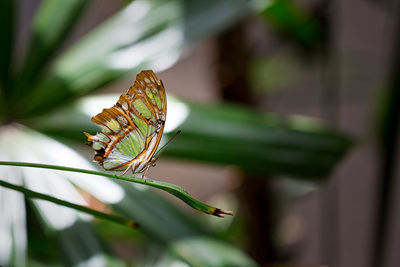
column 132, row 128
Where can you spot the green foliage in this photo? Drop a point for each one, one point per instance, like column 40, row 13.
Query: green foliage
column 292, row 21
column 227, row 134
column 42, row 95
column 175, row 190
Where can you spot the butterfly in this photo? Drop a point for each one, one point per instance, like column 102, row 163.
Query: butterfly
column 132, row 128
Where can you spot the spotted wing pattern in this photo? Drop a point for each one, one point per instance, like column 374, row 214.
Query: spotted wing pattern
column 132, row 128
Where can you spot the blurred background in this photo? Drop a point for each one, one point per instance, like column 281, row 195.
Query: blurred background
column 289, row 115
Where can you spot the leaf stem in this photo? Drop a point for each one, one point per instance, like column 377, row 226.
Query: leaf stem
column 175, row 190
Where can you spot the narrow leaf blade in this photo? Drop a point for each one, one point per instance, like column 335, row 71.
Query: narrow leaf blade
column 51, row 25
column 98, row 214
column 170, row 188
column 225, row 134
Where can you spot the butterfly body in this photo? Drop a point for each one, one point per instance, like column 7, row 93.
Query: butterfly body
column 132, row 128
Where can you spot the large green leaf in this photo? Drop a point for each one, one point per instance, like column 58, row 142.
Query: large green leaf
column 51, row 24
column 262, row 143
column 225, row 134
column 145, row 34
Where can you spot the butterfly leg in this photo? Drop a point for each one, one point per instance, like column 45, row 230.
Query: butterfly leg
column 151, row 163
column 144, row 172
column 127, row 169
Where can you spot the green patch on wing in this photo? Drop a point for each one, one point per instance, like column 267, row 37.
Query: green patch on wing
column 125, row 150
column 113, row 125
column 130, row 146
column 154, row 98
column 141, row 124
column 158, row 102
column 143, row 109
column 151, row 96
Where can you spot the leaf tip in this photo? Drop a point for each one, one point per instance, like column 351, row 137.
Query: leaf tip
column 218, row 212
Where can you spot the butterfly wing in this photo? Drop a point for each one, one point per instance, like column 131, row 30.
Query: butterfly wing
column 132, row 128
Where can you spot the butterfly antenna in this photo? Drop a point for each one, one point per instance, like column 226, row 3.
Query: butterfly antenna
column 169, row 141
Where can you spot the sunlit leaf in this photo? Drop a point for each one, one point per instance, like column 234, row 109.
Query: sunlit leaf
column 147, row 34
column 25, row 144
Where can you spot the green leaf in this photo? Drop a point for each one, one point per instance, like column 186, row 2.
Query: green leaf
column 75, row 245
column 20, row 142
column 181, row 235
column 147, row 34
column 260, row 143
column 98, row 214
column 80, row 246
column 170, row 188
column 225, row 134
column 51, row 24
column 142, row 35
